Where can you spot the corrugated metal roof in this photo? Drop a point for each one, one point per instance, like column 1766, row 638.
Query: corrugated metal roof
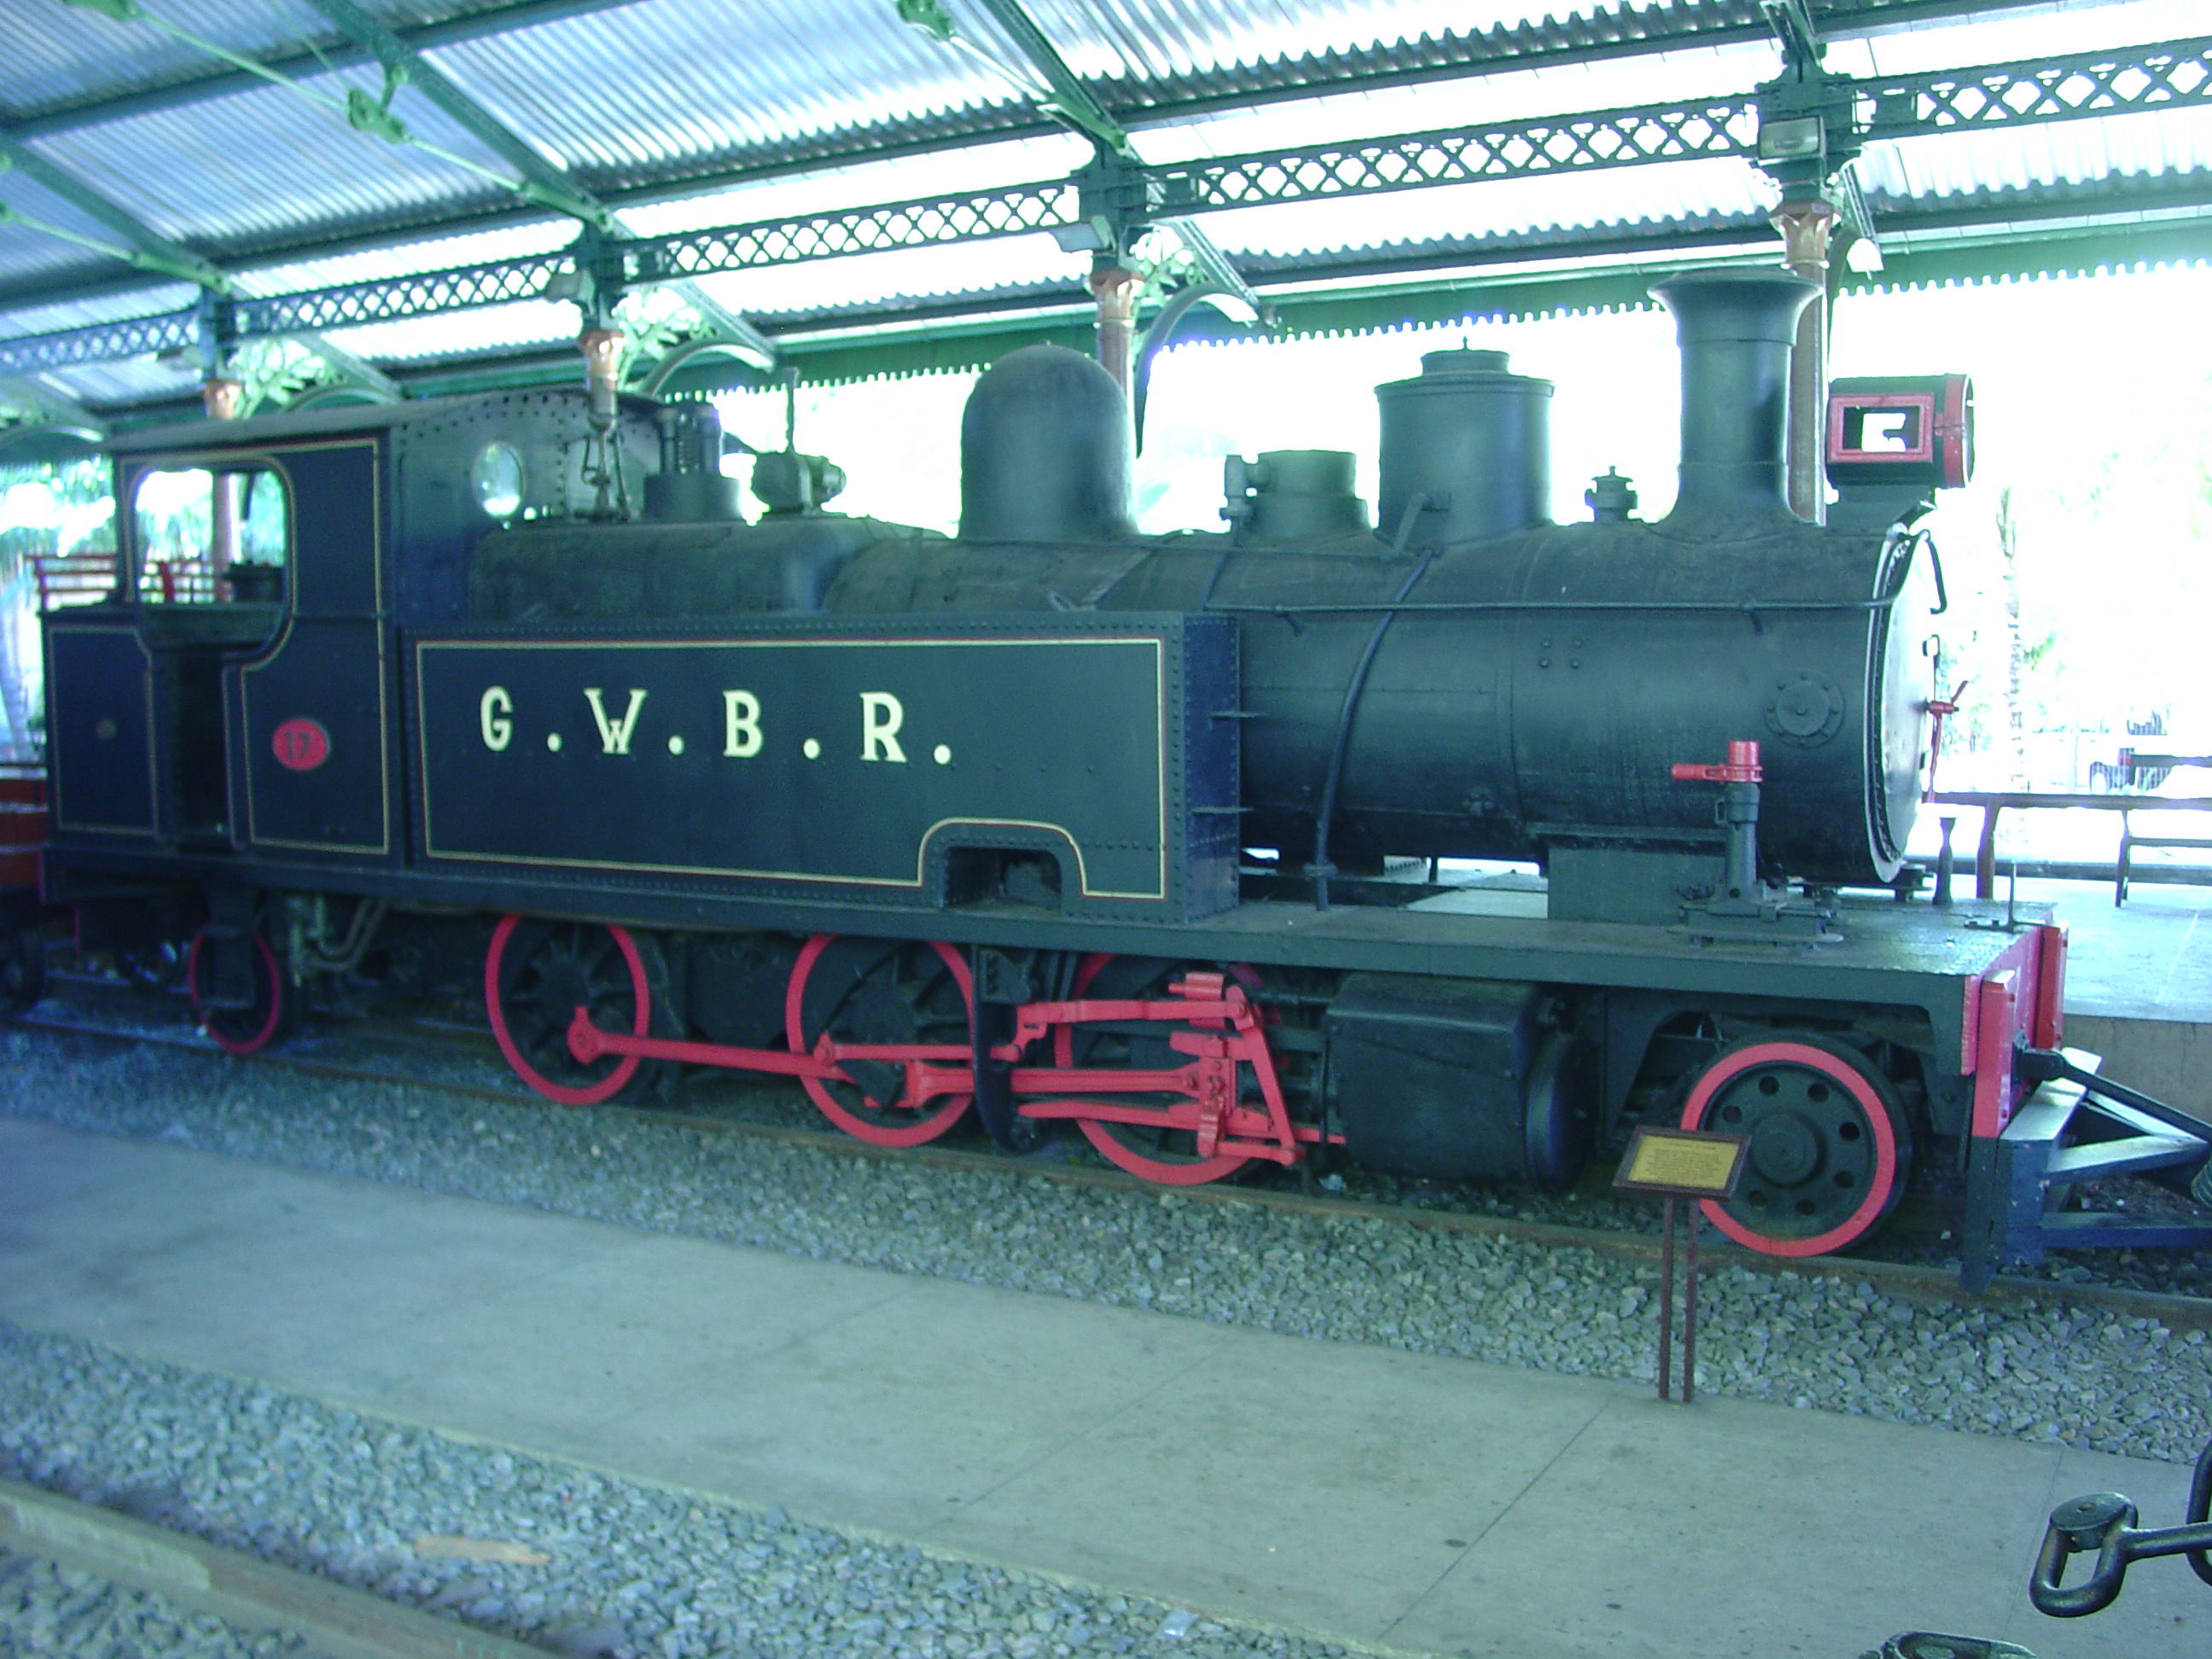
column 531, row 323
column 405, row 258
column 1458, row 45
column 2074, row 152
column 905, row 274
column 1170, row 39
column 621, row 94
column 246, row 170
column 32, row 259
column 2061, row 29
column 401, row 14
column 140, row 380
column 28, row 255
column 58, row 55
column 110, row 308
column 1562, row 89
column 639, row 97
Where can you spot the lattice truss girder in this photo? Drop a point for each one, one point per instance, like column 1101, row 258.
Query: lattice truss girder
column 2070, row 88
column 977, row 216
column 1609, row 139
column 395, row 299
column 2041, row 89
column 176, row 332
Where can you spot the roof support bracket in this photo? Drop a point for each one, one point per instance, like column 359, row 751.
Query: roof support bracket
column 1120, row 199
column 601, row 272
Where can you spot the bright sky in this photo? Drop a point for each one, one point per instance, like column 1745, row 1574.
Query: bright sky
column 2095, row 409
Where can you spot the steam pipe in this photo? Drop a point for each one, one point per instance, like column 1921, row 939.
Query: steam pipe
column 1804, row 227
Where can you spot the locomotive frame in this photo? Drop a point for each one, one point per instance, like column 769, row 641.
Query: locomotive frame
column 933, row 824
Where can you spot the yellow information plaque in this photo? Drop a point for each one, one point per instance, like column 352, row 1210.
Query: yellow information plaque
column 1682, row 1162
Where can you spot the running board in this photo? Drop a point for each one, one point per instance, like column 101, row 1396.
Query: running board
column 2042, row 1156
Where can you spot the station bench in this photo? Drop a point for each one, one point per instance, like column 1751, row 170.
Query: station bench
column 1993, row 805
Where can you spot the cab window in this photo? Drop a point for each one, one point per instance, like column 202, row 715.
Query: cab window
column 212, row 536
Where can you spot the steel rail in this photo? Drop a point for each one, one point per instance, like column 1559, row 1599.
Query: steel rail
column 243, row 1590
column 1911, row 1282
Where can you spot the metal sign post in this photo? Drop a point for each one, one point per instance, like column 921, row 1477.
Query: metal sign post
column 1675, row 1164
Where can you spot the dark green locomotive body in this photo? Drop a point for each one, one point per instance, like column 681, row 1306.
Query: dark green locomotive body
column 460, row 695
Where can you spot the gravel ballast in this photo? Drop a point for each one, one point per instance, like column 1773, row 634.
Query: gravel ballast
column 50, row 1612
column 613, row 1569
column 2051, row 1373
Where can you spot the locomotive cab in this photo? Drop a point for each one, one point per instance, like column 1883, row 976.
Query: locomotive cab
column 205, row 548
column 234, row 698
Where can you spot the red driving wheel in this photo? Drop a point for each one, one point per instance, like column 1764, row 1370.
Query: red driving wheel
column 1149, row 1153
column 1828, row 1154
column 879, row 991
column 533, row 986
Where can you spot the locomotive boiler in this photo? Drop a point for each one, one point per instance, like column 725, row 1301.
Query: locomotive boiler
column 1053, row 824
column 1468, row 680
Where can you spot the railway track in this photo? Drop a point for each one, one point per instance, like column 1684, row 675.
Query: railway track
column 242, row 1590
column 84, row 1000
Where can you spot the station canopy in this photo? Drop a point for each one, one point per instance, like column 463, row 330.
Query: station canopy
column 336, row 199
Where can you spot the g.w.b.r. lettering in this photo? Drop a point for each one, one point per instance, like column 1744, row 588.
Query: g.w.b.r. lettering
column 743, row 724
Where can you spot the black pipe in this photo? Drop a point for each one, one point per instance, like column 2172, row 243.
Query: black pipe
column 1321, row 870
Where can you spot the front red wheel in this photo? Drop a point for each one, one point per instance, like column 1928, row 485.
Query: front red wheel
column 1829, row 1151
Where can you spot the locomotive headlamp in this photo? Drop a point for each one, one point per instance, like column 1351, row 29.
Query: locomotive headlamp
column 1090, row 235
column 1790, row 140
column 1912, row 431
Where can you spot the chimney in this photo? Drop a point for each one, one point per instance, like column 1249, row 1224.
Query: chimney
column 1737, row 327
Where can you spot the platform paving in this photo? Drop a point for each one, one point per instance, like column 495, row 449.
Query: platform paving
column 2149, row 959
column 1432, row 1505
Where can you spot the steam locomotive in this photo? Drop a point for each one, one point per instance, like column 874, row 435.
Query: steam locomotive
column 1052, row 822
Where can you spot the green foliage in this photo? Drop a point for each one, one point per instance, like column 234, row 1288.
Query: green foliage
column 76, row 515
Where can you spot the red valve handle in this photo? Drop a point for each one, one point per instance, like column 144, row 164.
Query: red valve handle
column 1938, row 710
column 1741, row 766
